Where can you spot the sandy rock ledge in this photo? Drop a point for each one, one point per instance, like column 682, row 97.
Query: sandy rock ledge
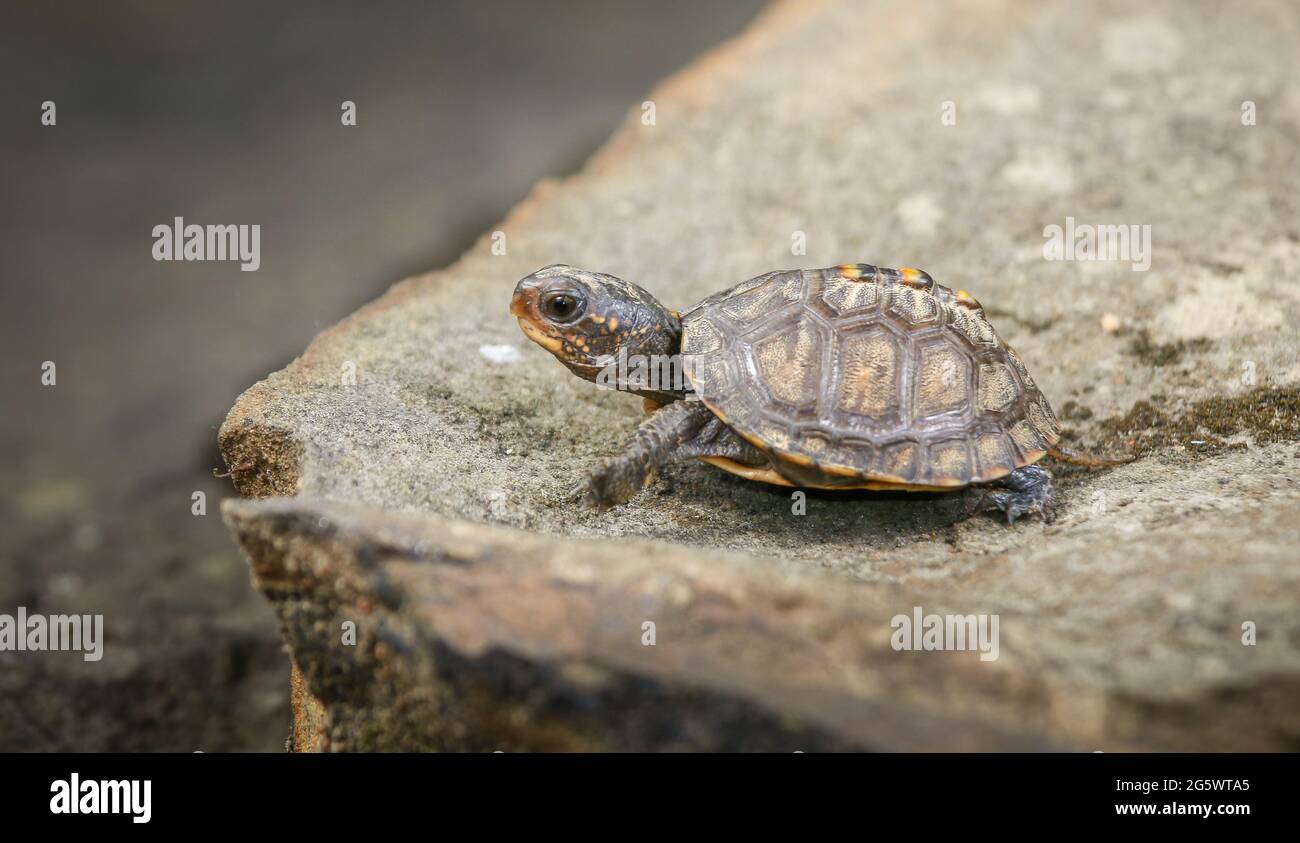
column 407, row 476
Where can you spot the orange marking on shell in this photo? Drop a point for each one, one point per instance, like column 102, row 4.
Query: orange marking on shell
column 874, row 482
column 750, row 438
column 913, row 277
column 848, row 270
column 841, row 470
column 878, row 486
column 1033, row 457
column 994, row 474
column 967, row 300
column 764, row 474
column 798, row 459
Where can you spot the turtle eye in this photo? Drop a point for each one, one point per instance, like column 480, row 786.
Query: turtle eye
column 563, row 307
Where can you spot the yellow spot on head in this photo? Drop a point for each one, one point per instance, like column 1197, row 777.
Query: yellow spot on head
column 613, row 323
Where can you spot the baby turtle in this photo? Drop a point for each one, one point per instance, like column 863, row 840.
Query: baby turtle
column 851, row 377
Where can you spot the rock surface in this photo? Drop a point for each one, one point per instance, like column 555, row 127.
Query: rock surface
column 411, row 432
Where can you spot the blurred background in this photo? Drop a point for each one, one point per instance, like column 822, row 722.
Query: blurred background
column 229, row 113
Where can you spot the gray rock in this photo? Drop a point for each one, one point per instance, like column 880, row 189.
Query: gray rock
column 424, row 425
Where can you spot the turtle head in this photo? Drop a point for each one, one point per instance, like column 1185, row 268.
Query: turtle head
column 589, row 320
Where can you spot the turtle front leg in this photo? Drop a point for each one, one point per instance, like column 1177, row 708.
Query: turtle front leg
column 1026, row 489
column 677, row 431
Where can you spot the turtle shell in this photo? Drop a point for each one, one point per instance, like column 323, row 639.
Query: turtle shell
column 859, row 376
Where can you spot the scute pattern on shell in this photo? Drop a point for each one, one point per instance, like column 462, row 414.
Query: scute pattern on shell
column 857, row 373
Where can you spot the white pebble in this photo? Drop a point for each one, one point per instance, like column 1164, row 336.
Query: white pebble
column 500, row 353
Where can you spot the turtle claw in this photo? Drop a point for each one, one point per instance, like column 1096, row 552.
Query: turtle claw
column 1014, row 504
column 579, row 495
column 591, row 496
column 587, row 495
column 611, row 483
column 1028, row 490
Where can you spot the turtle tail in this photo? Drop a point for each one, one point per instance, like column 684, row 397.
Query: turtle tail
column 1090, row 460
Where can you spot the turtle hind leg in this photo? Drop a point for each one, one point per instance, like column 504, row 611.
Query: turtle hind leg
column 1025, row 490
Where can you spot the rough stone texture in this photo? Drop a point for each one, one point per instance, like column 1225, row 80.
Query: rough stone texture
column 1121, row 620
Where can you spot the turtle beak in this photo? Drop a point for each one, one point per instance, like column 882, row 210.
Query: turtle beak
column 523, row 306
column 519, row 302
